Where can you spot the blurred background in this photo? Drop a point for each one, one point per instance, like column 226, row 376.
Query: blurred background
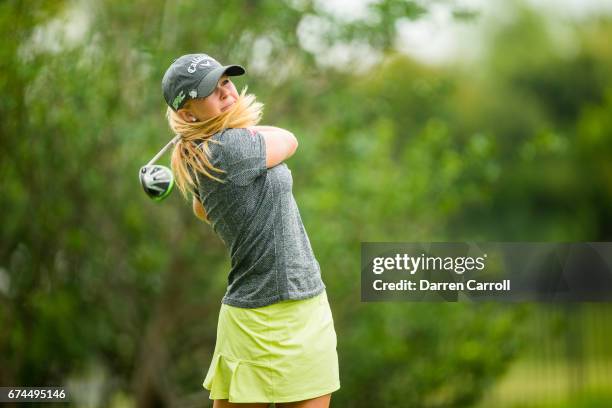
column 418, row 121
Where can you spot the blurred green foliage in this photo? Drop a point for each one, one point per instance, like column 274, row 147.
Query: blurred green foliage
column 515, row 146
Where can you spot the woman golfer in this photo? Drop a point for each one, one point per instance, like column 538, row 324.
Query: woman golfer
column 276, row 341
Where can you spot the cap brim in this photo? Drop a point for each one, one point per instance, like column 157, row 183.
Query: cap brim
column 209, row 82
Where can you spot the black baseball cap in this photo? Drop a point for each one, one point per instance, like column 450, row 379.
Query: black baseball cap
column 194, row 76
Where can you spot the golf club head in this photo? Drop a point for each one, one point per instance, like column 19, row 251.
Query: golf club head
column 157, row 181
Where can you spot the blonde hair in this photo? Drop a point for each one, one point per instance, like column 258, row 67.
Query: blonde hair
column 191, row 153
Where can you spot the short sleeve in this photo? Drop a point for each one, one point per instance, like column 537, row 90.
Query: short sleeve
column 244, row 155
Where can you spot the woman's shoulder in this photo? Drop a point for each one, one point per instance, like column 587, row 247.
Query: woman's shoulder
column 232, row 132
column 234, row 139
column 228, row 140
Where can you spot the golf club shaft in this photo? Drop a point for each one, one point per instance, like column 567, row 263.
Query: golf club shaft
column 164, row 149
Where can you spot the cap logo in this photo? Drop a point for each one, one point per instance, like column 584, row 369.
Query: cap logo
column 193, row 93
column 177, row 101
column 194, row 63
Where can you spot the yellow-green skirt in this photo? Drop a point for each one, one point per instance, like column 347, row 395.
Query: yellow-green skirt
column 282, row 352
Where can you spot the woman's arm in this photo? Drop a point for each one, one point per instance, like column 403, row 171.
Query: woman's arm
column 265, row 127
column 280, row 144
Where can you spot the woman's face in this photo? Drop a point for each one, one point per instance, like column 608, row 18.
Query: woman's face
column 221, row 99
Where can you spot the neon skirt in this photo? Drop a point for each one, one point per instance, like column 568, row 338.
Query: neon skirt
column 282, row 352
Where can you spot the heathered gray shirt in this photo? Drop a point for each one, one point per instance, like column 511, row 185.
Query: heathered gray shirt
column 256, row 216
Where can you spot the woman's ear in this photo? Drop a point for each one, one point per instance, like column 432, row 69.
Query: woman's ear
column 186, row 115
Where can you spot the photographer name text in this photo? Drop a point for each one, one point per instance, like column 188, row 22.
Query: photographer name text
column 414, row 264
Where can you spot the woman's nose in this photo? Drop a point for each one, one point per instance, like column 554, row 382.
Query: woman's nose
column 223, row 92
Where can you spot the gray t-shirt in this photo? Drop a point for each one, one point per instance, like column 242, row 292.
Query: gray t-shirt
column 256, row 216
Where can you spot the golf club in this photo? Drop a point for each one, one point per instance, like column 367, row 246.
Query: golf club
column 156, row 180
